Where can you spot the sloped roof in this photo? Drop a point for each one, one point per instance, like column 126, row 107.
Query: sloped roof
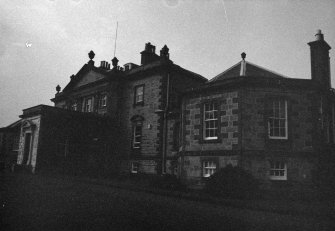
column 159, row 64
column 244, row 68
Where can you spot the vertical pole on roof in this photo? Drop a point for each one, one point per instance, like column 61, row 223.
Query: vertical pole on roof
column 117, row 25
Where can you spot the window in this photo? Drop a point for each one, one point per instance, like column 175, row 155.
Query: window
column 139, row 93
column 210, row 131
column 74, row 107
column 134, row 167
column 103, row 100
column 137, row 135
column 208, row 168
column 16, row 142
column 277, row 123
column 278, row 170
column 88, row 107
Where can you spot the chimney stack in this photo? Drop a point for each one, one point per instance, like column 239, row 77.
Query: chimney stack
column 148, row 55
column 164, row 53
column 104, row 65
column 320, row 60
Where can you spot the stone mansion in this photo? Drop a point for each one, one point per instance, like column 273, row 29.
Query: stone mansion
column 159, row 118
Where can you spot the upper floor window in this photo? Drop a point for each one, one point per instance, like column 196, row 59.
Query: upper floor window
column 210, row 125
column 277, row 121
column 139, row 94
column 88, row 106
column 137, row 135
column 103, row 100
column 278, row 170
column 74, row 107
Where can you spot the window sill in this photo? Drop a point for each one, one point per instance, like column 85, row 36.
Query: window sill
column 217, row 140
column 278, row 179
column 277, row 138
column 211, row 138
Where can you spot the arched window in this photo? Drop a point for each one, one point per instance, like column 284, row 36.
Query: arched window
column 137, row 124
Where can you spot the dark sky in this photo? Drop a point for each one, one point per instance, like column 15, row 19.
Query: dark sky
column 204, row 36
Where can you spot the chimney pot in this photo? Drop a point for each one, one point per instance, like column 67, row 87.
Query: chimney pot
column 319, row 35
column 164, row 53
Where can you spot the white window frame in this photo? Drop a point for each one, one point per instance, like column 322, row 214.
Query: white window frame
column 139, row 94
column 88, row 107
column 137, row 135
column 208, row 168
column 74, row 107
column 277, row 117
column 211, row 121
column 103, row 100
column 134, row 167
column 278, row 170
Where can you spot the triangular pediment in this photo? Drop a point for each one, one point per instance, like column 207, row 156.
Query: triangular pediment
column 90, row 76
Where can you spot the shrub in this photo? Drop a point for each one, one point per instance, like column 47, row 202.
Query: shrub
column 169, row 182
column 232, row 182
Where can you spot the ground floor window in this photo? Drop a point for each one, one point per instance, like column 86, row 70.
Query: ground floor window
column 134, row 167
column 278, row 170
column 16, row 143
column 208, row 168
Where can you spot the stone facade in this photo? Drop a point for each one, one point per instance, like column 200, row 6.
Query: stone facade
column 159, row 118
column 151, row 120
column 228, row 122
column 148, row 154
column 275, row 127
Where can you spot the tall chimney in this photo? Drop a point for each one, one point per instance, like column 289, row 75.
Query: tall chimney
column 148, row 55
column 164, row 53
column 320, row 60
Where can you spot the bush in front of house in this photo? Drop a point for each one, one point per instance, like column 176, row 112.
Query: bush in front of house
column 168, row 182
column 232, row 182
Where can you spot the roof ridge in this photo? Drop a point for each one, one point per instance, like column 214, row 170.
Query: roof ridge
column 218, row 75
column 276, row 73
column 226, row 74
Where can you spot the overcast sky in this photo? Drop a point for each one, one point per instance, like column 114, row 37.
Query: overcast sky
column 204, row 36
